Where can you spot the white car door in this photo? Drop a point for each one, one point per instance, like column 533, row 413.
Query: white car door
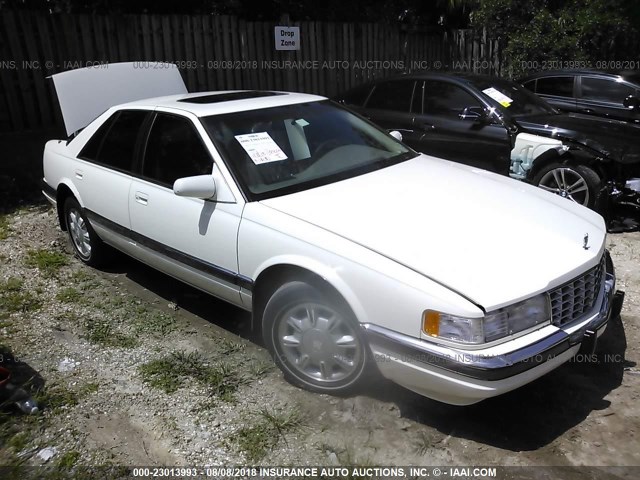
column 103, row 174
column 192, row 239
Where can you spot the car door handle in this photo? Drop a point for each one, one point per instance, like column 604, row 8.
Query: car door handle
column 586, row 110
column 141, row 198
column 79, row 174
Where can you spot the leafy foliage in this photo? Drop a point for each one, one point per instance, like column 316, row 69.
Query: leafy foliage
column 537, row 34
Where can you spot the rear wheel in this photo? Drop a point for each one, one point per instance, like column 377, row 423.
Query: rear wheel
column 577, row 183
column 85, row 242
column 314, row 339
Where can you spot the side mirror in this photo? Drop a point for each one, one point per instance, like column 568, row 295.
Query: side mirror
column 631, row 102
column 473, row 114
column 200, row 186
column 396, row 134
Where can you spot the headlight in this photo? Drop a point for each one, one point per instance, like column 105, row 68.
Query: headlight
column 451, row 327
column 493, row 326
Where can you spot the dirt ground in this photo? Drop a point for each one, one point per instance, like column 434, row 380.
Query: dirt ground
column 133, row 368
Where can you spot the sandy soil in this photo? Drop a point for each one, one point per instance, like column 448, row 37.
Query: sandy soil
column 98, row 408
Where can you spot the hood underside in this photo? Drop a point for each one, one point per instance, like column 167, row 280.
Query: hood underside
column 86, row 93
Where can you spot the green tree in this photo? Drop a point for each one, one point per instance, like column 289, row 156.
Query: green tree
column 569, row 33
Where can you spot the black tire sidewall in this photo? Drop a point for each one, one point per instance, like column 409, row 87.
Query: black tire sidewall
column 591, row 178
column 283, row 299
column 72, row 204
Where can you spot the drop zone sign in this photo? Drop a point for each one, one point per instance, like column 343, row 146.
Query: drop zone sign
column 287, row 38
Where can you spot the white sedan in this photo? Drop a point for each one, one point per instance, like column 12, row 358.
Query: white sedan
column 353, row 252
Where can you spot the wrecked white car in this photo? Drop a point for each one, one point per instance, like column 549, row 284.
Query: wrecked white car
column 351, row 250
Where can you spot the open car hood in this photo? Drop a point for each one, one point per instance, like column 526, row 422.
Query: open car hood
column 86, row 93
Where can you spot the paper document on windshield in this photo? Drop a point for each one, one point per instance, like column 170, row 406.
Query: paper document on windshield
column 261, row 148
column 498, row 96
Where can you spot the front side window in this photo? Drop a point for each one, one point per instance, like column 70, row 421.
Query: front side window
column 556, row 86
column 279, row 150
column 395, row 95
column 446, row 99
column 174, row 150
column 114, row 142
column 605, row 90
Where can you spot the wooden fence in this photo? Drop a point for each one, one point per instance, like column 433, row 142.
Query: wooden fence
column 215, row 53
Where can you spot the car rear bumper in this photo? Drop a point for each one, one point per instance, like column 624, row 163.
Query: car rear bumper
column 463, row 377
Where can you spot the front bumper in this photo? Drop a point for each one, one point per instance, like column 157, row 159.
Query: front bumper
column 463, row 377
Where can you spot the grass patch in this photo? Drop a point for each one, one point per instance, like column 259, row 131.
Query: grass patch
column 171, row 372
column 69, row 295
column 88, row 389
column 153, row 322
column 256, row 440
column 47, row 261
column 68, row 460
column 5, row 230
column 81, row 276
column 102, row 333
column 227, row 347
column 55, row 397
column 259, row 368
column 14, row 299
column 19, row 441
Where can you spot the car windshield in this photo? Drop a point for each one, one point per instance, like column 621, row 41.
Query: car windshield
column 511, row 98
column 280, row 150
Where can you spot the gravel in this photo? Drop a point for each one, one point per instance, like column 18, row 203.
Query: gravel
column 95, row 329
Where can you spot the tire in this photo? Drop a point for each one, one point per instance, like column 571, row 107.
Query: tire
column 315, row 339
column 578, row 183
column 86, row 244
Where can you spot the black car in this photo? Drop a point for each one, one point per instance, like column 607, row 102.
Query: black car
column 500, row 126
column 614, row 95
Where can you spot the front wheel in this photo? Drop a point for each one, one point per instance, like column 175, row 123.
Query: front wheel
column 577, row 183
column 314, row 339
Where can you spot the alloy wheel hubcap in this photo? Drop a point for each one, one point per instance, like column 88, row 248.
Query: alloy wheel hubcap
column 567, row 183
column 79, row 233
column 319, row 343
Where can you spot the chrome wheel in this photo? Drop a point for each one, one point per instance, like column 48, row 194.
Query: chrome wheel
column 568, row 183
column 79, row 232
column 319, row 343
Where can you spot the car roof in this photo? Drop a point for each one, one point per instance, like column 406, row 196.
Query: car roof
column 203, row 104
column 628, row 75
column 462, row 78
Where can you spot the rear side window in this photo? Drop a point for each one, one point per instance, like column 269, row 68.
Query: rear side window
column 114, row 142
column 556, row 86
column 395, row 95
column 605, row 90
column 174, row 150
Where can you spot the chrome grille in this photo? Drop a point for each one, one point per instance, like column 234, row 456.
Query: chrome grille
column 577, row 297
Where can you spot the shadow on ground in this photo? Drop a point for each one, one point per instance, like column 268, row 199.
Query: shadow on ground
column 23, row 377
column 525, row 419
column 534, row 415
column 192, row 300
